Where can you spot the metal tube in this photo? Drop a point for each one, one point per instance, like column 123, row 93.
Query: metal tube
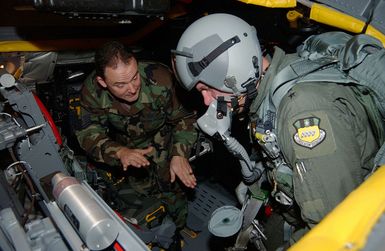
column 93, row 224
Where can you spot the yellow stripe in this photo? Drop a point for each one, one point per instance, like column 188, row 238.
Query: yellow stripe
column 375, row 33
column 272, row 3
column 50, row 45
column 329, row 16
column 325, row 15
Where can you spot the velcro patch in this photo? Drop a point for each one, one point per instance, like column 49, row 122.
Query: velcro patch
column 308, row 134
column 312, row 135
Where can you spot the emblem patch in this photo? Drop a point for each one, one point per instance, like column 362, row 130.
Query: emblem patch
column 308, row 134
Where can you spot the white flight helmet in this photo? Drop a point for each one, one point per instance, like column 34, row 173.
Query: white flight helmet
column 220, row 50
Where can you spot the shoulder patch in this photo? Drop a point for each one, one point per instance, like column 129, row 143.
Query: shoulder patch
column 308, row 133
column 311, row 135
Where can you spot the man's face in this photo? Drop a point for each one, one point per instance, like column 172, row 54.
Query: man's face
column 122, row 80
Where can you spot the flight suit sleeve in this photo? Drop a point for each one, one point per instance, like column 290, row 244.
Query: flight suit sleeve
column 326, row 138
column 93, row 134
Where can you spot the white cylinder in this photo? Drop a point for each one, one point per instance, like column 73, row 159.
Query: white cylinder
column 93, row 224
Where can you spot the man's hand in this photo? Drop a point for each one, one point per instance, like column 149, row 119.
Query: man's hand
column 133, row 157
column 180, row 167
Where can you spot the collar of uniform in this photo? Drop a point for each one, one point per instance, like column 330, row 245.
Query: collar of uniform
column 104, row 97
column 145, row 96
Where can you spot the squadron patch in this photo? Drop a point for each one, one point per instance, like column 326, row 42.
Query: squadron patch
column 308, row 133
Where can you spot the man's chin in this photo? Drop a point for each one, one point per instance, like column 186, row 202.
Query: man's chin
column 131, row 99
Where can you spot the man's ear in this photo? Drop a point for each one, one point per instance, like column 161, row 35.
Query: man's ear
column 101, row 81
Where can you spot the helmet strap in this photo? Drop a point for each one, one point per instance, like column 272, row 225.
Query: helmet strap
column 221, row 107
column 251, row 94
column 198, row 66
column 222, row 103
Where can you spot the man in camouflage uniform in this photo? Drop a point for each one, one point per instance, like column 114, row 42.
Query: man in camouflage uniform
column 133, row 122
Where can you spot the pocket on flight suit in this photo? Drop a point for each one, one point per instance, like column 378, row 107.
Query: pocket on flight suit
column 308, row 193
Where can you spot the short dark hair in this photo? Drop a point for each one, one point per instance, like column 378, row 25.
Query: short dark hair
column 109, row 55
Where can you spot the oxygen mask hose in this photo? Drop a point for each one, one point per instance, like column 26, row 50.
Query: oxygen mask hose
column 214, row 125
column 249, row 171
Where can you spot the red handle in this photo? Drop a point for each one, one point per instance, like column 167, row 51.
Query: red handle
column 49, row 119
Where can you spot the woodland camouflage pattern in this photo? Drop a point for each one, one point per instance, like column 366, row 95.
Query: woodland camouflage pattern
column 156, row 119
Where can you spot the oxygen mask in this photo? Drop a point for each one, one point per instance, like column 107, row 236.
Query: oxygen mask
column 216, row 120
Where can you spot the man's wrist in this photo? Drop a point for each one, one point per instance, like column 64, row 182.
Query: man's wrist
column 118, row 152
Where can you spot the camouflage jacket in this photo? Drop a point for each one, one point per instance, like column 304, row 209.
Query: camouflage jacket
column 157, row 118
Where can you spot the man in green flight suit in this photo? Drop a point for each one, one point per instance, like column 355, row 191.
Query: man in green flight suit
column 317, row 145
column 133, row 122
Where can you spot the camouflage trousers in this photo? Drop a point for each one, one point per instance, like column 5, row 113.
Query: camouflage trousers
column 146, row 195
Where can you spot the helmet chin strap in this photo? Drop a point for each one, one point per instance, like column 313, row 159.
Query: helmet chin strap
column 234, row 100
column 251, row 94
column 224, row 101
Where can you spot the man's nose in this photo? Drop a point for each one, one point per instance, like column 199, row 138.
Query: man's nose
column 131, row 88
column 207, row 98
